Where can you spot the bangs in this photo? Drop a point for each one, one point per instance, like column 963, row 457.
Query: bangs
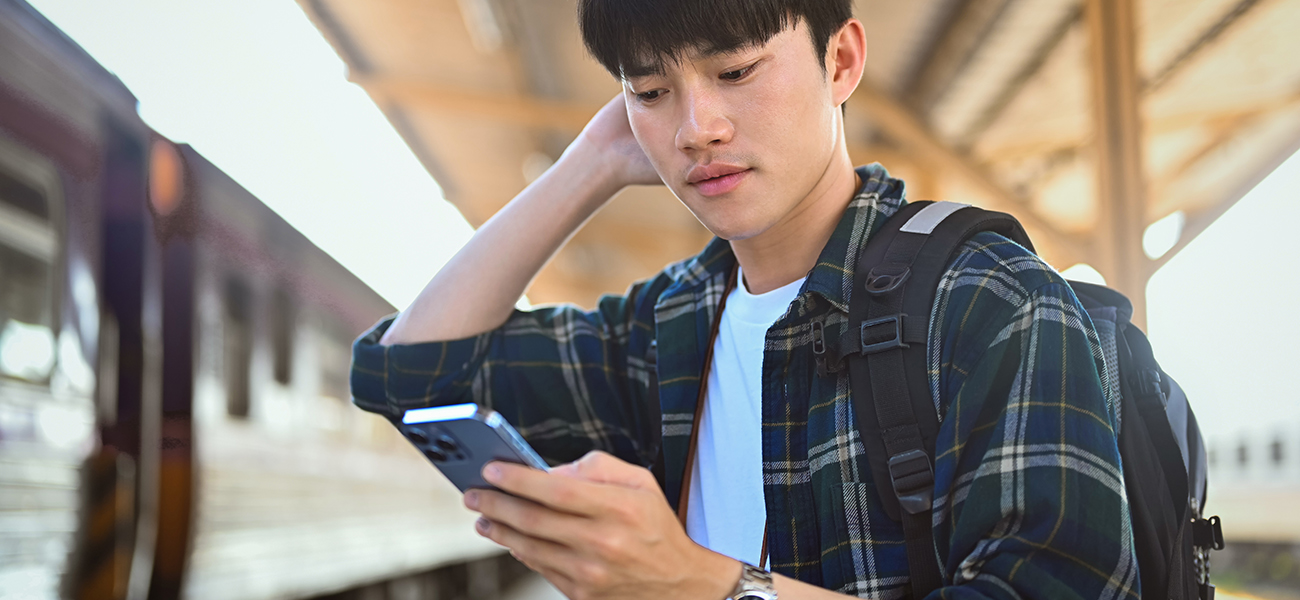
column 632, row 38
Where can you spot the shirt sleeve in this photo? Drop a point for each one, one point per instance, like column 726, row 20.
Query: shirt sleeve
column 569, row 380
column 1029, row 497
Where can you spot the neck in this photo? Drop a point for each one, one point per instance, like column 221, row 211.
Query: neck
column 789, row 249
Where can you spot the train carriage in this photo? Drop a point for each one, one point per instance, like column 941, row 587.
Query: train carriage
column 174, row 411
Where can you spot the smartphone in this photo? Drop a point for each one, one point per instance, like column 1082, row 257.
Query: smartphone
column 461, row 438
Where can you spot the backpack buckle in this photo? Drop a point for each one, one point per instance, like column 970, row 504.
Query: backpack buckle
column 884, row 283
column 878, row 335
column 913, row 480
column 1208, row 533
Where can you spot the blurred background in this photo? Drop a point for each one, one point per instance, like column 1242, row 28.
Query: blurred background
column 202, row 204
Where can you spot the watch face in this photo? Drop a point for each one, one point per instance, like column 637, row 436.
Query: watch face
column 756, row 595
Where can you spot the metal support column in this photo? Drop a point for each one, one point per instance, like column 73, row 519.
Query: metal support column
column 1121, row 185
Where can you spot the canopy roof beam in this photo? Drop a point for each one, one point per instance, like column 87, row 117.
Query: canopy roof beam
column 519, row 109
column 904, row 127
column 1120, row 184
column 1028, row 71
column 1206, row 39
column 967, row 29
column 1198, row 221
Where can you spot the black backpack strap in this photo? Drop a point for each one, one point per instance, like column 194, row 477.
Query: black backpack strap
column 895, row 282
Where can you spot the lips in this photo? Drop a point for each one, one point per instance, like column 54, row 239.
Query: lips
column 712, row 171
column 716, row 178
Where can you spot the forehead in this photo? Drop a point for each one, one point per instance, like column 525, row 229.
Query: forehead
column 668, row 61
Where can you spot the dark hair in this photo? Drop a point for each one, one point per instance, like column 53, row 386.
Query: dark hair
column 637, row 37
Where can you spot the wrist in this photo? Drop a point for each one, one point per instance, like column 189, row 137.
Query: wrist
column 713, row 576
column 584, row 161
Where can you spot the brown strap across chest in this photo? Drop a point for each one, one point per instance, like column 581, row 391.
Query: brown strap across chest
column 684, row 498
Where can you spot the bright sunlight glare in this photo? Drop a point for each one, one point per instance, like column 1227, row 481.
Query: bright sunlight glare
column 1222, row 316
column 254, row 88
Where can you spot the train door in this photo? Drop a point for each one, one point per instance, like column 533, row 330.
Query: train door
column 172, row 204
column 120, row 520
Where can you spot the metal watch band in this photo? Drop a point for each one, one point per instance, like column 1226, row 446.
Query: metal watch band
column 754, row 584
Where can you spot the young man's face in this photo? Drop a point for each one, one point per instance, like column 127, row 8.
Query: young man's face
column 741, row 138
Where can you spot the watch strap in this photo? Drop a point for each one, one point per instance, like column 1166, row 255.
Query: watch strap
column 754, row 584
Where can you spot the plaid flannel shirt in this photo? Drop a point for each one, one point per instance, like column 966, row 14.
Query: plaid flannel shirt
column 1029, row 497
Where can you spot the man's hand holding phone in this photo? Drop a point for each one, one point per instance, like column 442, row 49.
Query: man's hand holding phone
column 595, row 528
column 598, row 528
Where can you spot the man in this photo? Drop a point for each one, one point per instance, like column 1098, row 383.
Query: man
column 735, row 106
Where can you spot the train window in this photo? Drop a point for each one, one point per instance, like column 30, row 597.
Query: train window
column 335, row 366
column 334, row 369
column 23, row 197
column 238, row 336
column 28, row 246
column 282, row 332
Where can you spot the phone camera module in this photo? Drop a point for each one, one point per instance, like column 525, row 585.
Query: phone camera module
column 446, row 443
column 417, row 436
column 435, row 455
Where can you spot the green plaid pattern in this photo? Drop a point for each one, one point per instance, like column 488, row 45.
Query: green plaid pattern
column 1029, row 498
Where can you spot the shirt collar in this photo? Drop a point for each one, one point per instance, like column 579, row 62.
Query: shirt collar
column 878, row 199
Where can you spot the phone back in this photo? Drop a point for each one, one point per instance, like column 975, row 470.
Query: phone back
column 461, row 447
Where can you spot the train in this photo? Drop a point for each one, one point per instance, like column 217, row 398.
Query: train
column 174, row 410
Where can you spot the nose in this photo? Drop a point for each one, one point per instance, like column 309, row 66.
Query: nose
column 704, row 123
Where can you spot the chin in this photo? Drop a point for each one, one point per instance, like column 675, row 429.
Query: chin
column 731, row 217
column 734, row 229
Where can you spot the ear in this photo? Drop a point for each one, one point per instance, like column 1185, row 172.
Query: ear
column 846, row 57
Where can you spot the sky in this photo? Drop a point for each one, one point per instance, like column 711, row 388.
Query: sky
column 255, row 89
column 253, row 86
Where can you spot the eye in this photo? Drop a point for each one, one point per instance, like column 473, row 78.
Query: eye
column 737, row 74
column 649, row 96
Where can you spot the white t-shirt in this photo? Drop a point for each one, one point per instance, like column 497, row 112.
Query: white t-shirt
column 725, row 510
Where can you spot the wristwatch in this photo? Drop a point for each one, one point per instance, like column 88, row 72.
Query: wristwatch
column 754, row 584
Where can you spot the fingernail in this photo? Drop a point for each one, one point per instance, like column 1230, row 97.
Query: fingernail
column 482, row 525
column 471, row 499
column 492, row 473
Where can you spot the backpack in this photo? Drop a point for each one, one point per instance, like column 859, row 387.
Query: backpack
column 1161, row 449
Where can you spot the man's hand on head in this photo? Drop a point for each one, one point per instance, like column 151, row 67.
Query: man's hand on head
column 610, row 134
column 598, row 528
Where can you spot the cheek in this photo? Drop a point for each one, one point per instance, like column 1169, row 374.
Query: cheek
column 792, row 117
column 656, row 137
column 797, row 137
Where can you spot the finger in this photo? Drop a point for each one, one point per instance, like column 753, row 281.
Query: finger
column 527, row 517
column 561, row 581
column 557, row 579
column 541, row 555
column 602, row 467
column 569, row 470
column 566, row 494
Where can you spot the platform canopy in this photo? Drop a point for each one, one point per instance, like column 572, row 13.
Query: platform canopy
column 1087, row 119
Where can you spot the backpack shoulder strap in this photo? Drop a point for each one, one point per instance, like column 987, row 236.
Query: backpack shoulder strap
column 895, row 283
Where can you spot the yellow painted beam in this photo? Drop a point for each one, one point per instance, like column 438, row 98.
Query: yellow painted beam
column 1199, row 220
column 521, row 110
column 1153, row 125
column 904, row 127
column 1121, row 186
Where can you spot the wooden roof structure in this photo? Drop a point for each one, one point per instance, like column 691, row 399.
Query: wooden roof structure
column 1087, row 119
